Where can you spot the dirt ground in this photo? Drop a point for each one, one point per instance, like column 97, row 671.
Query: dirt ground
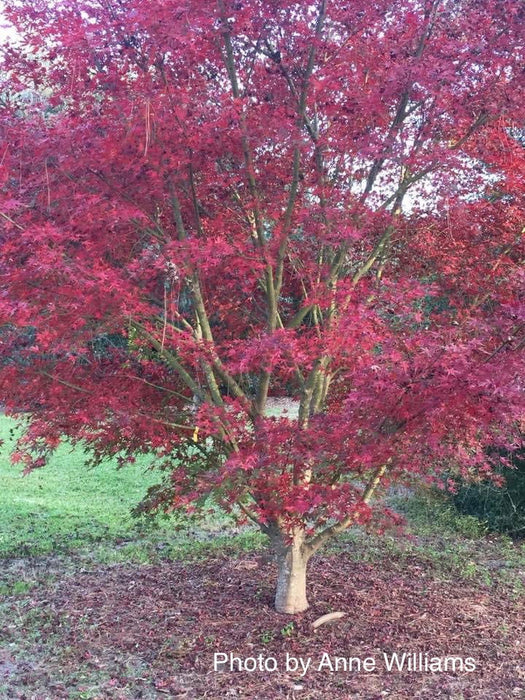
column 151, row 631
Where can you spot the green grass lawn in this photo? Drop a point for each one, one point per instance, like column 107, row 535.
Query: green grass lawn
column 66, row 504
column 66, row 508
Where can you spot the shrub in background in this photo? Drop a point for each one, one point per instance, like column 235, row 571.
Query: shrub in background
column 501, row 508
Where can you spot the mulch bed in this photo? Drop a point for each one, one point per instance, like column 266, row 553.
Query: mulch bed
column 151, row 631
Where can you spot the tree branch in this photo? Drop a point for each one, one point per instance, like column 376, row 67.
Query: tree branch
column 171, row 360
column 328, row 533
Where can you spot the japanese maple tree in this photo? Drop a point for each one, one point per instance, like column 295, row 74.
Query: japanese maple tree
column 205, row 204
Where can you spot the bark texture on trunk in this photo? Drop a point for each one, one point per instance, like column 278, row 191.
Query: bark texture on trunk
column 292, row 559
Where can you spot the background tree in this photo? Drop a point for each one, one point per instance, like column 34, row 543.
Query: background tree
column 214, row 202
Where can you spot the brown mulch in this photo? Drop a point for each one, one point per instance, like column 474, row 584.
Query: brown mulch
column 151, row 631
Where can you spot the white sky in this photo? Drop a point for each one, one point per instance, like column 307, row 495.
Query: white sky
column 7, row 33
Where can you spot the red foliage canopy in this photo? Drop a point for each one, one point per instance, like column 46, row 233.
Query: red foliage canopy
column 204, row 203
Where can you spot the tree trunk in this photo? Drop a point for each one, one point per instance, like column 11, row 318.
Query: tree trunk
column 292, row 558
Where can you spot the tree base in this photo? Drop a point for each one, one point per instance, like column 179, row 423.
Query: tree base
column 290, row 596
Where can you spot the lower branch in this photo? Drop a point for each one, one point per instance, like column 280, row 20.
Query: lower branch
column 335, row 529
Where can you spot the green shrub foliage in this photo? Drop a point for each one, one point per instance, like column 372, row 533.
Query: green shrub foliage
column 501, row 508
